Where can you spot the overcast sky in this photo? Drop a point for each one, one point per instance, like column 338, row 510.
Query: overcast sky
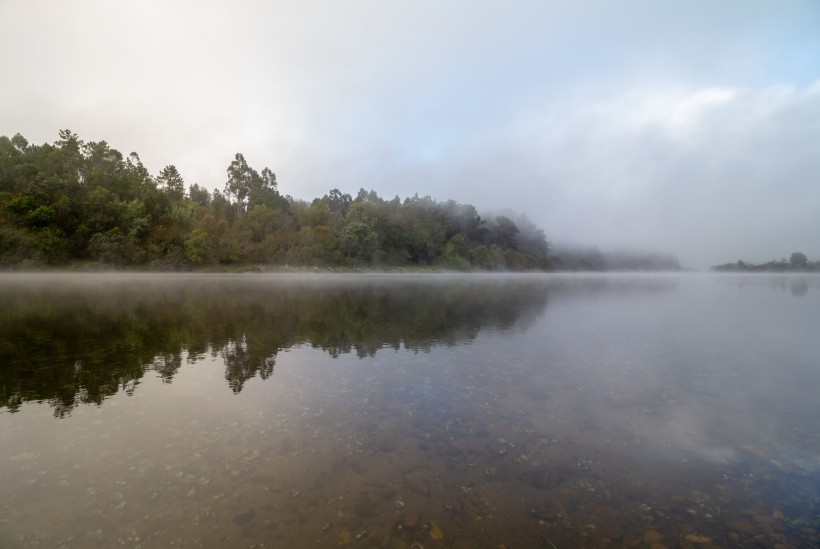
column 691, row 127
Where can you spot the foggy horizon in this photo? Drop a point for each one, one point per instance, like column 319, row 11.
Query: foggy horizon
column 683, row 129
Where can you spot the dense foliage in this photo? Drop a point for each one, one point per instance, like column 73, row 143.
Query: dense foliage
column 73, row 201
column 797, row 262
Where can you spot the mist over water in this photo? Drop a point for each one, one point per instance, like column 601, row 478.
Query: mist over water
column 383, row 411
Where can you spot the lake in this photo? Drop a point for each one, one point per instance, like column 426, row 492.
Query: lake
column 394, row 411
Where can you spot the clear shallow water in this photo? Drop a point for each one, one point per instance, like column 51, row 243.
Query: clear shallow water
column 387, row 411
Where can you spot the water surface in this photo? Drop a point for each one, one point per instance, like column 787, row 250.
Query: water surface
column 423, row 411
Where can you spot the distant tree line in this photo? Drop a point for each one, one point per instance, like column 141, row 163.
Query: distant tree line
column 797, row 262
column 592, row 259
column 73, row 201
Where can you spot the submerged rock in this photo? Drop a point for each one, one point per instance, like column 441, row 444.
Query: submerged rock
column 366, row 507
column 652, row 536
column 244, row 518
column 545, row 479
column 411, row 520
column 696, row 538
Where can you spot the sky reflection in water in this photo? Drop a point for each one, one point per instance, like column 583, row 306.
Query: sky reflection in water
column 385, row 410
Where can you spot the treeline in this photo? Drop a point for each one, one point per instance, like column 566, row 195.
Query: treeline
column 592, row 259
column 797, row 262
column 72, row 201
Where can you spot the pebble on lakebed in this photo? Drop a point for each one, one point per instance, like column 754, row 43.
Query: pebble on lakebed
column 411, row 520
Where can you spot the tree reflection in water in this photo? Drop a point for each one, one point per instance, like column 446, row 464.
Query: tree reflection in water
column 71, row 339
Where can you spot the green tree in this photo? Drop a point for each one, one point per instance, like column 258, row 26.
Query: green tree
column 200, row 195
column 457, row 252
column 798, row 260
column 196, row 247
column 504, row 233
column 40, row 218
column 337, row 201
column 107, row 247
column 70, row 147
column 241, row 180
column 20, row 143
column 104, row 167
column 173, row 184
column 358, row 241
column 136, row 220
column 264, row 191
column 422, row 231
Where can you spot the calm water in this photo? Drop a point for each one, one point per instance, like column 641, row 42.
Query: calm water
column 409, row 412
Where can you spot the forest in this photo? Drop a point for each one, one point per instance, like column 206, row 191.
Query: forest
column 84, row 204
